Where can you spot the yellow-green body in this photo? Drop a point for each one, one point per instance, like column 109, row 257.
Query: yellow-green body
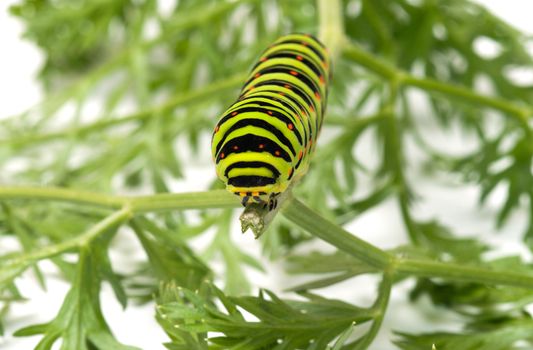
column 262, row 143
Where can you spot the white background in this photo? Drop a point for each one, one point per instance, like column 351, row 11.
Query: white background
column 19, row 64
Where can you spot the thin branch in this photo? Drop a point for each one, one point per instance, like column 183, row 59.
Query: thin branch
column 399, row 162
column 374, row 63
column 16, row 264
column 294, row 210
column 455, row 272
column 379, row 308
column 180, row 201
column 155, row 111
column 61, row 195
column 324, row 229
column 331, row 26
column 389, row 72
column 521, row 113
column 137, row 204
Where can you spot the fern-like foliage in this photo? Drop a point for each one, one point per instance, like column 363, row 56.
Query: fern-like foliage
column 159, row 76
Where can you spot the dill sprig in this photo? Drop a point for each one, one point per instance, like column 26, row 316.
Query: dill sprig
column 160, row 77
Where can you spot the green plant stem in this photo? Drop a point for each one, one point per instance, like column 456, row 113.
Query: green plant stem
column 389, row 72
column 379, row 308
column 158, row 111
column 74, row 91
column 324, row 229
column 372, row 14
column 371, row 62
column 137, row 204
column 401, row 184
column 410, row 224
column 61, row 195
column 521, row 113
column 180, row 201
column 464, row 273
column 111, row 221
column 356, row 121
column 331, row 26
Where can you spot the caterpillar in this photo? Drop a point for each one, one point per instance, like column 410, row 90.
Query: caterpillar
column 263, row 142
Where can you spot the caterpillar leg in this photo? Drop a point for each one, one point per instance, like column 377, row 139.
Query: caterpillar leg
column 273, row 201
column 248, row 199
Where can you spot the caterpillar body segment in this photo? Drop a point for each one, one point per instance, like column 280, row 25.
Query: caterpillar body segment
column 263, row 142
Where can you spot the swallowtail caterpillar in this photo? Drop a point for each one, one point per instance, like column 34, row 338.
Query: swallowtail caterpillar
column 263, row 142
